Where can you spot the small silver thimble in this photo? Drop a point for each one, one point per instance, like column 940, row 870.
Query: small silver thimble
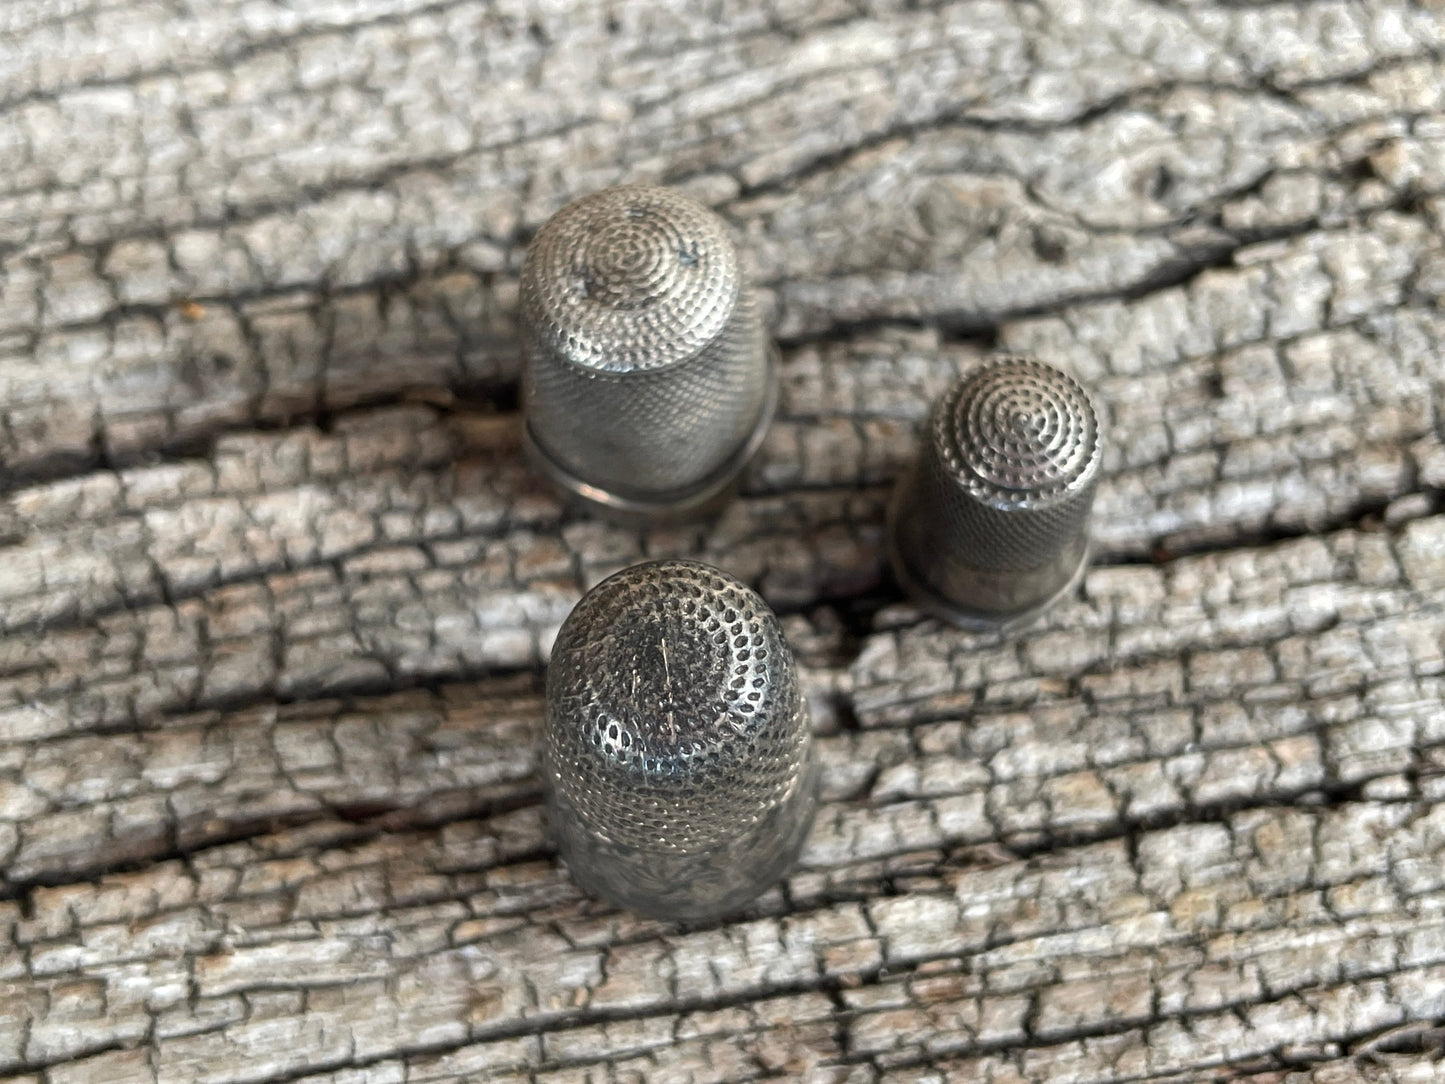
column 648, row 382
column 677, row 756
column 991, row 525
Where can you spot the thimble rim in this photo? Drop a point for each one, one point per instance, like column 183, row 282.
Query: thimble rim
column 934, row 604
column 553, row 320
column 693, row 500
column 948, row 444
column 607, row 869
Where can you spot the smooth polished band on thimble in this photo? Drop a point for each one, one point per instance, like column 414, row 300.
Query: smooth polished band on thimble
column 648, row 382
column 677, row 756
column 991, row 525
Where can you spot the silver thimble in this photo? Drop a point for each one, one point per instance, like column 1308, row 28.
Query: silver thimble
column 991, row 525
column 677, row 756
column 648, row 382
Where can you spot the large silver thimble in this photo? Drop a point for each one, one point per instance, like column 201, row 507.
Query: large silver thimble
column 677, row 756
column 648, row 382
column 991, row 526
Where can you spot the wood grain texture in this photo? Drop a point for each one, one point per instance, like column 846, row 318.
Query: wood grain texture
column 276, row 589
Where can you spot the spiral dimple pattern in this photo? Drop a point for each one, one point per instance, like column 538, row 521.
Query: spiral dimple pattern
column 674, row 720
column 1017, row 432
column 631, row 279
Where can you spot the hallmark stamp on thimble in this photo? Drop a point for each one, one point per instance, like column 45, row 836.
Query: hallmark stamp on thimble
column 648, row 382
column 677, row 755
column 990, row 527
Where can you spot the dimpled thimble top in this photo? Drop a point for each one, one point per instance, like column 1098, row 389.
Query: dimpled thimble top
column 674, row 720
column 647, row 379
column 1018, row 433
column 630, row 279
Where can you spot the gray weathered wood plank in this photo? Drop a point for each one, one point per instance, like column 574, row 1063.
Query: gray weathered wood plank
column 276, row 589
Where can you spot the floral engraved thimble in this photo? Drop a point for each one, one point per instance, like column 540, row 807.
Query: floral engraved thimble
column 677, row 755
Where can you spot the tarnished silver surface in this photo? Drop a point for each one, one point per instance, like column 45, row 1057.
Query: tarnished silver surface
column 648, row 381
column 991, row 525
column 677, row 754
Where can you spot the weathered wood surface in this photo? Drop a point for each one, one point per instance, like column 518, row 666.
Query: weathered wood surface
column 276, row 589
